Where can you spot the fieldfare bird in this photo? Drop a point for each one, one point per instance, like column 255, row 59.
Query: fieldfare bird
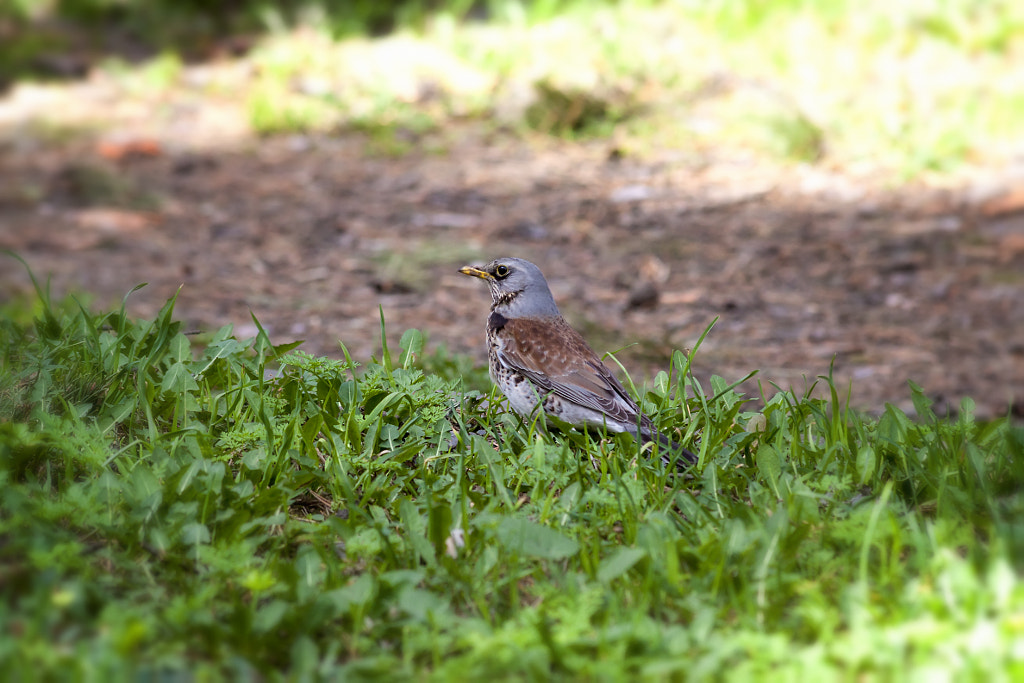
column 541, row 363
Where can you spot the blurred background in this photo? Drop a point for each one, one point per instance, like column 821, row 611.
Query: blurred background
column 837, row 183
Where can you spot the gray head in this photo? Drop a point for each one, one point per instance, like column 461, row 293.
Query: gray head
column 518, row 288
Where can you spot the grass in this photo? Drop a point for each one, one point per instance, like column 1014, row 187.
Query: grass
column 907, row 92
column 241, row 509
column 901, row 91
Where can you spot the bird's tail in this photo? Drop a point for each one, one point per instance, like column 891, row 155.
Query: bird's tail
column 670, row 450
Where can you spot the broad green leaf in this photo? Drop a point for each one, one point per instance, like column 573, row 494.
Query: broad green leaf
column 195, row 533
column 361, row 591
column 178, row 380
column 412, row 346
column 770, row 466
column 269, row 615
column 420, row 604
column 523, row 537
column 416, row 530
column 220, row 349
column 618, row 564
column 867, row 461
column 178, row 348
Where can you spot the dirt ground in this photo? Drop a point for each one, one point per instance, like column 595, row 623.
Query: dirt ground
column 312, row 233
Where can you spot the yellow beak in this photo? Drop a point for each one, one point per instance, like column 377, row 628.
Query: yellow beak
column 476, row 272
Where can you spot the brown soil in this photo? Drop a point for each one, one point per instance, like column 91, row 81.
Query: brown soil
column 312, row 234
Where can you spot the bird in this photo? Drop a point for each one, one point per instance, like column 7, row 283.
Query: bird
column 542, row 364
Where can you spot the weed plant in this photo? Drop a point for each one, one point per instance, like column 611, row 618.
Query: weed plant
column 242, row 509
column 892, row 91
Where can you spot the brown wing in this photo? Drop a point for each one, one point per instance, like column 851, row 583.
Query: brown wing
column 558, row 360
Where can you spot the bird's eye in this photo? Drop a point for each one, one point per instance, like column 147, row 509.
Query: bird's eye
column 501, row 271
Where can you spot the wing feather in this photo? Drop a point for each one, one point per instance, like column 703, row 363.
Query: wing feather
column 556, row 359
